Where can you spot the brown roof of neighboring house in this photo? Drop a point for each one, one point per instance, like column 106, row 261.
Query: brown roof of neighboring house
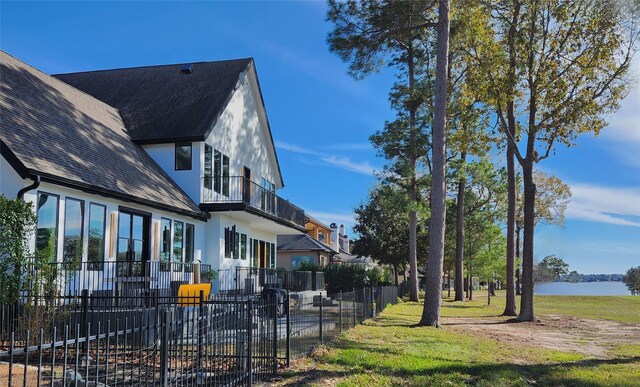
column 302, row 242
column 70, row 138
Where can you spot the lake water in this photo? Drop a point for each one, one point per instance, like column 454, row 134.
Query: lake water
column 609, row 288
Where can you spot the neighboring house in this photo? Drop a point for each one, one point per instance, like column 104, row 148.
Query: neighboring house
column 313, row 247
column 295, row 249
column 163, row 164
column 340, row 242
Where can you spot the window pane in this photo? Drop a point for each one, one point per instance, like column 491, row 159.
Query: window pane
column 207, row 166
column 177, row 241
column 236, row 250
column 254, row 261
column 217, row 171
column 165, row 239
column 183, row 157
column 138, row 227
column 227, row 243
column 189, row 241
column 124, row 225
column 123, row 246
column 243, row 246
column 273, row 256
column 97, row 217
column 47, row 230
column 225, row 175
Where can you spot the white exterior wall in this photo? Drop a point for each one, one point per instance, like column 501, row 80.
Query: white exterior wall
column 188, row 180
column 10, row 181
column 242, row 134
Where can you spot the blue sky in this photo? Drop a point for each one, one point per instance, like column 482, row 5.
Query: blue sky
column 320, row 117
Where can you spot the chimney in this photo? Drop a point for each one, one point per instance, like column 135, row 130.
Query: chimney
column 347, row 244
column 334, row 237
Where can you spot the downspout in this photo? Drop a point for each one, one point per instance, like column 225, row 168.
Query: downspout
column 34, row 185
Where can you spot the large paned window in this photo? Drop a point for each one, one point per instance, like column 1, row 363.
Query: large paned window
column 97, row 219
column 208, row 166
column 183, row 156
column 225, row 175
column 189, row 235
column 243, row 246
column 47, row 229
column 217, row 170
column 165, row 243
column 73, row 244
column 178, row 235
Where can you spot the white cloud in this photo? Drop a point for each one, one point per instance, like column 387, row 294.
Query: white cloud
column 604, row 204
column 295, row 148
column 345, row 163
column 341, row 162
column 356, row 146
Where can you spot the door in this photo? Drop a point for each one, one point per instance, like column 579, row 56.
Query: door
column 246, row 188
column 133, row 250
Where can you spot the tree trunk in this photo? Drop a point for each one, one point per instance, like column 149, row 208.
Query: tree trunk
column 518, row 284
column 460, row 232
column 510, row 306
column 526, row 300
column 413, row 190
column 433, row 292
column 395, row 274
column 448, row 284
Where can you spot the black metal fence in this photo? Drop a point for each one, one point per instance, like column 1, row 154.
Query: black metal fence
column 251, row 280
column 219, row 340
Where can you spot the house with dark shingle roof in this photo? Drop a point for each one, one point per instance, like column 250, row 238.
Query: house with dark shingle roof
column 170, row 164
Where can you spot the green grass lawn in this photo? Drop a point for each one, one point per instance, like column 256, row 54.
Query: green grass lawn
column 390, row 350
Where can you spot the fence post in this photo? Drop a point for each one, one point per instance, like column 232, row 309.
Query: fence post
column 288, row 310
column 340, row 311
column 201, row 326
column 321, row 320
column 275, row 332
column 249, row 341
column 354, row 307
column 84, row 318
column 164, row 349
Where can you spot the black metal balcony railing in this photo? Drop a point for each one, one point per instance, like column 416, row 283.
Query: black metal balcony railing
column 238, row 189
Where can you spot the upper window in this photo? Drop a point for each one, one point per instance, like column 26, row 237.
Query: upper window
column 47, row 229
column 208, row 166
column 183, row 156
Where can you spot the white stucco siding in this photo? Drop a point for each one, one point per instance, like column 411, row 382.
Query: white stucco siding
column 10, row 181
column 188, row 180
column 241, row 133
column 215, row 241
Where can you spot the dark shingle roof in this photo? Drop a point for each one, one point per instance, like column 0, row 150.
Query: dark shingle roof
column 160, row 103
column 68, row 137
column 301, row 243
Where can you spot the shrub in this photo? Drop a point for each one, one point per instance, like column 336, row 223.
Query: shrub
column 17, row 223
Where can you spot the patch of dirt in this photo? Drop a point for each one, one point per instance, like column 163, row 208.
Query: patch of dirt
column 592, row 338
column 17, row 375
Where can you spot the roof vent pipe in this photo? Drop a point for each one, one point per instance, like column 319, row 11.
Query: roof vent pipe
column 187, row 68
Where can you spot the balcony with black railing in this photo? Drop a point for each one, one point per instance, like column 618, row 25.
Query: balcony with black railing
column 240, row 193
